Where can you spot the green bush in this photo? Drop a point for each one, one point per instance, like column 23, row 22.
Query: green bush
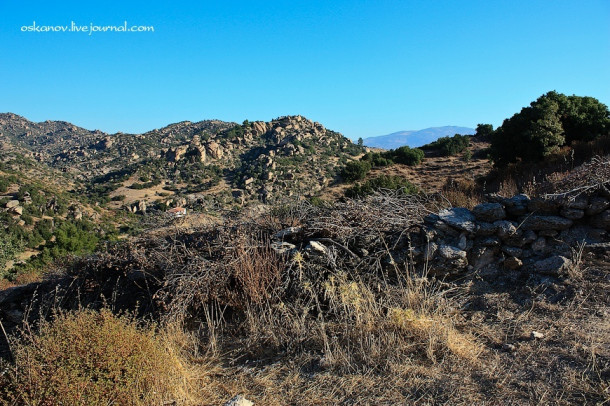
column 407, row 156
column 8, row 249
column 550, row 122
column 381, row 182
column 449, row 146
column 355, row 170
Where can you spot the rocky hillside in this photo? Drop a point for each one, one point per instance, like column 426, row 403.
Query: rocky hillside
column 87, row 153
column 234, row 163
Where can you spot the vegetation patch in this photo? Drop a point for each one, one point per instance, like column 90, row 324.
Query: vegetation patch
column 92, row 358
column 382, row 182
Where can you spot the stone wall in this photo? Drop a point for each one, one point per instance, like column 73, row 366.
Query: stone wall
column 532, row 234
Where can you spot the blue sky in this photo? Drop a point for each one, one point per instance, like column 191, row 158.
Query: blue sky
column 363, row 68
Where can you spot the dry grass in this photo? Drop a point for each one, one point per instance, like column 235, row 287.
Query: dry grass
column 95, row 358
column 462, row 193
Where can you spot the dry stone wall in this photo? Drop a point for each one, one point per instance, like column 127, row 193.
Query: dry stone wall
column 533, row 234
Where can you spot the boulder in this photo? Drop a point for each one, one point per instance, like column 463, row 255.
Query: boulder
column 505, row 228
column 512, row 263
column 287, row 233
column 539, row 245
column 579, row 202
column 18, row 210
column 449, row 260
column 214, row 149
column 544, row 206
column 486, row 229
column 601, row 220
column 596, row 206
column 572, row 213
column 12, row 203
column 459, row 218
column 489, row 212
column 517, row 205
column 282, row 247
column 551, row 266
column 238, row 401
column 175, row 154
column 482, row 256
column 490, row 242
column 259, row 128
column 520, row 238
column 512, row 251
column 449, row 252
column 538, row 223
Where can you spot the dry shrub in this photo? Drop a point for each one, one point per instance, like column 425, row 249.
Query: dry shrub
column 362, row 326
column 462, row 193
column 257, row 271
column 590, row 176
column 94, row 358
column 508, row 187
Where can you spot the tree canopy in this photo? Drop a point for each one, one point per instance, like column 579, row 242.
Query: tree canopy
column 547, row 124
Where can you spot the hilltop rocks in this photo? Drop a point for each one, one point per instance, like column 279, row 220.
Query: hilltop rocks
column 174, row 154
column 259, row 128
column 214, row 149
column 18, row 210
column 11, row 204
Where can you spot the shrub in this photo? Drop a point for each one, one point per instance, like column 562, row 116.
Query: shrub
column 376, row 159
column 407, row 156
column 378, row 183
column 91, row 358
column 4, row 184
column 355, row 170
column 484, row 130
column 547, row 124
column 449, row 146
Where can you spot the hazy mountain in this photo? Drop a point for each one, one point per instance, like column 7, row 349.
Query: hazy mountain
column 415, row 138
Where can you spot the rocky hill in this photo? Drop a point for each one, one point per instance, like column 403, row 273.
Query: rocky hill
column 233, row 163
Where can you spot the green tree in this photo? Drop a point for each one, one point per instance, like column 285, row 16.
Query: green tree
column 360, row 142
column 484, row 130
column 408, row 156
column 355, row 170
column 548, row 123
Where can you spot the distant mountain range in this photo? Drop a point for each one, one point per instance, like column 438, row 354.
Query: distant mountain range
column 415, row 138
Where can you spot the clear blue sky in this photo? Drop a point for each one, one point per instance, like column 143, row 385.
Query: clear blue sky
column 363, row 68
